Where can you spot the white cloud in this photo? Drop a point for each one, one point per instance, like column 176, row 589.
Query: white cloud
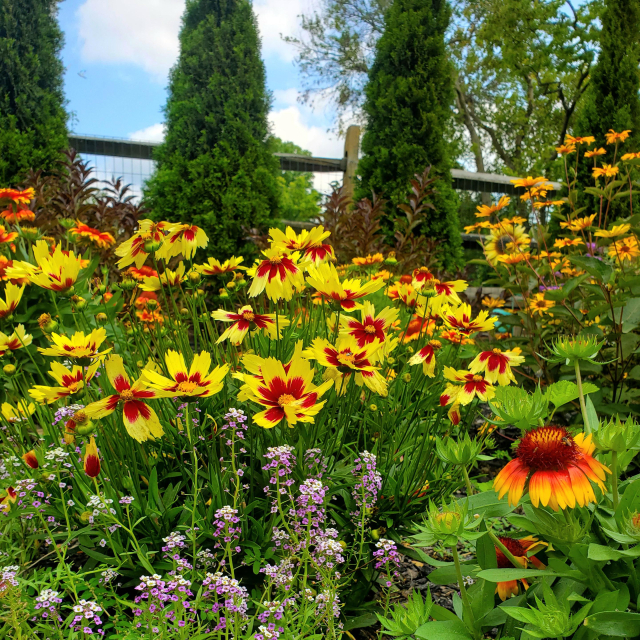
column 145, row 32
column 140, row 32
column 290, row 124
column 153, row 133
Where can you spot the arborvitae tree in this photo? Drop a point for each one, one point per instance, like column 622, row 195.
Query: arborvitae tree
column 612, row 98
column 32, row 115
column 215, row 169
column 408, row 111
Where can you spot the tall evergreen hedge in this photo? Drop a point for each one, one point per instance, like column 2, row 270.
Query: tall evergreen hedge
column 408, row 110
column 32, row 106
column 214, row 168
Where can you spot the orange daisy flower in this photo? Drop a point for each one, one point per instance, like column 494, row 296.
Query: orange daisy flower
column 456, row 337
column 418, row 326
column 368, row 261
column 555, row 467
column 631, row 156
column 613, row 137
column 484, row 210
column 101, row 239
column 7, row 237
column 606, row 170
column 22, row 214
column 565, row 149
column 142, row 272
column 579, row 140
column 16, row 195
column 596, row 152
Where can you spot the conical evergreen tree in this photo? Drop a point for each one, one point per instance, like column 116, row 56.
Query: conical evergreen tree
column 32, row 114
column 214, row 168
column 408, row 110
column 612, row 98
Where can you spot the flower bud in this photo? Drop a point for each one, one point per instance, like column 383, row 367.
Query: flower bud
column 67, row 223
column 373, row 407
column 241, row 282
column 30, row 459
column 101, row 318
column 406, row 377
column 9, row 370
column 391, row 360
column 152, row 304
column 128, row 284
column 448, row 525
column 572, row 350
column 152, row 245
column 462, row 452
column 231, row 285
column 78, row 303
column 184, row 312
column 85, row 516
column 223, row 294
column 67, row 293
column 86, row 428
column 127, row 483
column 91, row 459
column 46, row 323
column 616, row 435
column 194, row 276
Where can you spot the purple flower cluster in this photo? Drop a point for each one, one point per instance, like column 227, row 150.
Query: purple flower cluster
column 230, row 599
column 327, row 551
column 365, row 493
column 46, row 604
column 166, row 597
column 64, row 413
column 327, row 603
column 86, row 615
column 225, row 523
column 235, row 421
column 268, row 632
column 387, row 556
column 8, row 575
column 310, row 502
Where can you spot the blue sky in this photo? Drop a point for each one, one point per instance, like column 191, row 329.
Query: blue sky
column 118, row 53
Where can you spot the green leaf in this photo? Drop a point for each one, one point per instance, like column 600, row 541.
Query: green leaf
column 565, row 391
column 449, row 630
column 486, row 553
column 598, row 269
column 630, row 312
column 505, row 575
column 619, row 624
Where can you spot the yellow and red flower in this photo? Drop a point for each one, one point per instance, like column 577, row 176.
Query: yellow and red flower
column 141, row 273
column 418, row 326
column 18, row 339
column 427, row 356
column 245, row 320
column 146, row 240
column 24, row 196
column 309, row 242
column 183, row 239
column 216, row 268
column 369, row 260
column 287, row 392
column 101, row 239
column 370, row 327
column 345, row 359
column 140, row 420
column 195, row 382
column 30, row 459
column 404, row 293
column 464, row 387
column 79, row 347
column 167, row 278
column 21, row 214
column 325, row 280
column 523, row 550
column 496, row 365
column 556, row 468
column 19, row 413
column 69, row 381
column 13, row 295
column 455, row 337
column 91, row 459
column 460, row 320
column 279, row 274
column 7, row 237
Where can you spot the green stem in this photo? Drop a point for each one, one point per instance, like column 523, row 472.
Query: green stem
column 583, row 406
column 471, row 621
column 496, row 541
column 467, row 482
column 614, row 478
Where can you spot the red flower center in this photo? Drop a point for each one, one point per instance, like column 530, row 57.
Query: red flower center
column 514, row 546
column 547, row 449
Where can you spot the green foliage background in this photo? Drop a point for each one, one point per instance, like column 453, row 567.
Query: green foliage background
column 215, row 169
column 32, row 105
column 408, row 107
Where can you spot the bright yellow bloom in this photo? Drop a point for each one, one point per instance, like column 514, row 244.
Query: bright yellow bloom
column 82, row 348
column 13, row 295
column 596, row 152
column 539, row 305
column 631, row 156
column 496, row 365
column 483, row 224
column 19, row 413
column 140, row 420
column 529, row 182
column 368, row 261
column 567, row 242
column 509, row 221
column 460, row 320
column 493, row 303
column 248, row 320
column 167, row 278
column 565, row 149
column 324, row 279
column 69, row 381
column 56, row 272
column 579, row 224
column 195, row 382
column 279, row 274
column 18, row 339
column 613, row 137
column 506, row 239
column 146, row 240
column 548, row 203
column 216, row 268
column 605, row 170
column 286, row 390
column 484, row 210
column 614, row 232
column 183, row 239
column 513, row 258
column 625, row 249
column 345, row 359
column 579, row 140
column 309, row 242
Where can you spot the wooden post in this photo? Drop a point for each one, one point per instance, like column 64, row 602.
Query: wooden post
column 351, row 150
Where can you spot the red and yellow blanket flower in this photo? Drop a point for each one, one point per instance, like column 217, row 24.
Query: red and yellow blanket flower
column 18, row 339
column 183, row 239
column 21, row 214
column 279, row 274
column 523, row 550
column 427, row 357
column 369, row 260
column 346, row 359
column 100, row 239
column 57, row 271
column 555, row 467
column 140, row 420
column 370, row 327
column 91, row 459
column 245, row 320
column 81, row 348
column 148, row 239
column 496, row 365
column 168, row 278
column 464, row 386
column 69, row 381
column 196, row 381
column 214, row 267
column 24, row 196
column 325, row 280
column 13, row 295
column 287, row 391
column 461, row 321
column 309, row 242
column 405, row 294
